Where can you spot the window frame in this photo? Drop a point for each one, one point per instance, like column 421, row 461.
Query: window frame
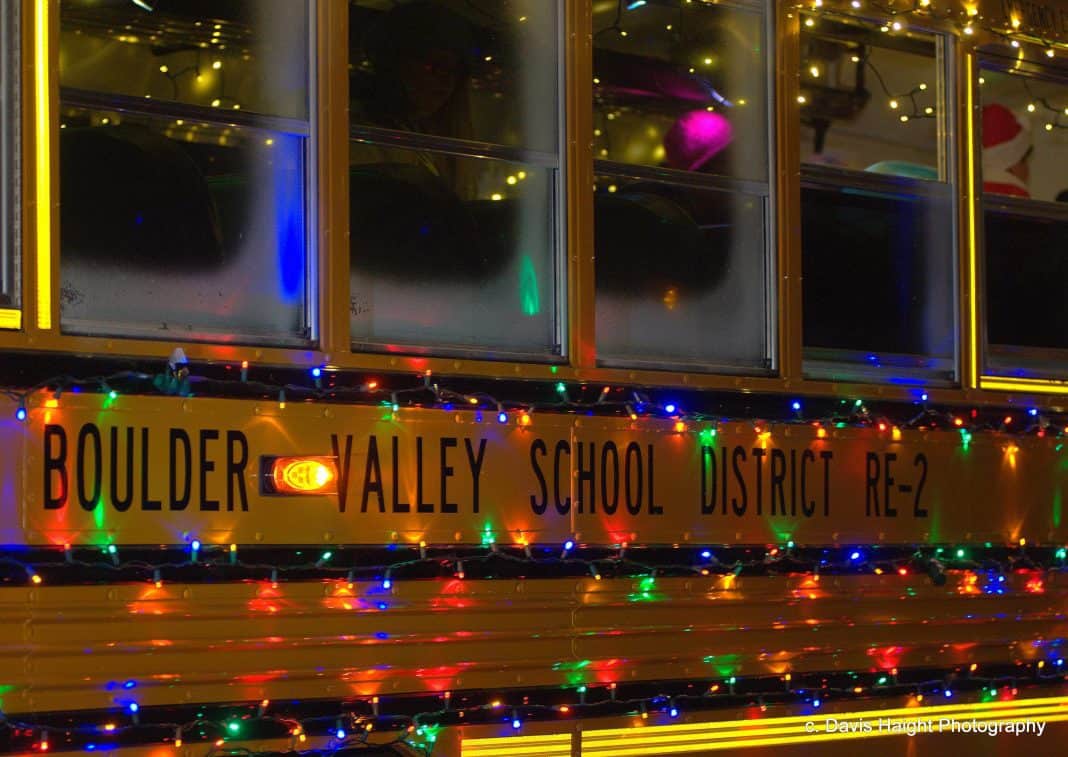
column 476, row 149
column 1051, row 363
column 306, row 130
column 948, row 53
column 768, row 191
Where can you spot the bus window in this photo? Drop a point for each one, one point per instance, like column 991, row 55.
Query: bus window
column 876, row 204
column 455, row 177
column 1024, row 143
column 681, row 198
column 183, row 142
column 9, row 173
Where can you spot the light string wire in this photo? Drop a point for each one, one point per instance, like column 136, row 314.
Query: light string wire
column 347, row 729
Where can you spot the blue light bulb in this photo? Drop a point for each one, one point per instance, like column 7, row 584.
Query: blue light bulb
column 671, row 407
column 195, row 545
column 855, row 556
column 502, row 417
column 674, row 712
column 340, row 734
column 516, row 724
column 20, row 414
column 316, row 372
column 706, row 554
column 569, row 545
column 796, row 405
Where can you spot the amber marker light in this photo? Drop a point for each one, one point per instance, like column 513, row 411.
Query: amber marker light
column 301, row 475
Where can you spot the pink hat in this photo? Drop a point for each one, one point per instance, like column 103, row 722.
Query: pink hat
column 1006, row 138
column 696, row 138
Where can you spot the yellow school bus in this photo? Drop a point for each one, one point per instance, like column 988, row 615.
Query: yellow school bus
column 533, row 377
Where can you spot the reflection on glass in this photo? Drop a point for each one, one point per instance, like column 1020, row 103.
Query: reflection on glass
column 680, row 85
column 1024, row 131
column 484, row 71
column 681, row 275
column 1024, row 134
column 877, row 242
column 236, row 55
column 1027, row 277
column 170, row 225
column 878, row 279
column 9, row 140
column 451, row 252
column 869, row 99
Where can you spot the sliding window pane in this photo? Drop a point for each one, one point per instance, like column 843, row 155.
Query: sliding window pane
column 187, row 230
column 682, row 201
column 436, row 267
column 184, row 139
column 232, row 54
column 486, row 71
column 456, row 178
column 878, row 254
column 681, row 275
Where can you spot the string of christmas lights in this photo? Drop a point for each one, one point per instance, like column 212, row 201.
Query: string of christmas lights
column 965, row 17
column 427, row 392
column 197, row 562
column 415, row 721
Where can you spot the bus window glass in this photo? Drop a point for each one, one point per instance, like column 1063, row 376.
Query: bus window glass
column 9, row 170
column 183, row 144
column 455, row 177
column 681, row 198
column 1023, row 133
column 877, row 242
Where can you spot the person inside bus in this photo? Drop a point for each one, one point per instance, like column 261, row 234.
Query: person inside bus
column 1006, row 152
column 418, row 211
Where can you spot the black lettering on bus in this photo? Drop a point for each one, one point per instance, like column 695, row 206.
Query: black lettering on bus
column 808, row 507
column 871, row 484
column 888, row 482
column 538, row 447
column 55, row 499
column 398, row 506
column 778, row 478
column 179, row 435
column 475, row 461
column 372, row 477
column 826, row 455
column 446, row 443
column 562, row 447
column 708, row 476
column 147, row 503
column 758, row 455
column 235, row 469
column 88, row 431
column 420, row 505
column 917, row 511
column 634, row 506
column 207, row 465
column 585, row 474
column 654, row 509
column 609, row 505
column 343, row 462
column 739, row 505
column 121, row 503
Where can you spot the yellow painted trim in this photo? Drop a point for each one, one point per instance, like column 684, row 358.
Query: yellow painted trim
column 548, row 745
column 973, row 286
column 10, row 319
column 1044, row 386
column 42, row 142
column 700, row 747
column 737, row 734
